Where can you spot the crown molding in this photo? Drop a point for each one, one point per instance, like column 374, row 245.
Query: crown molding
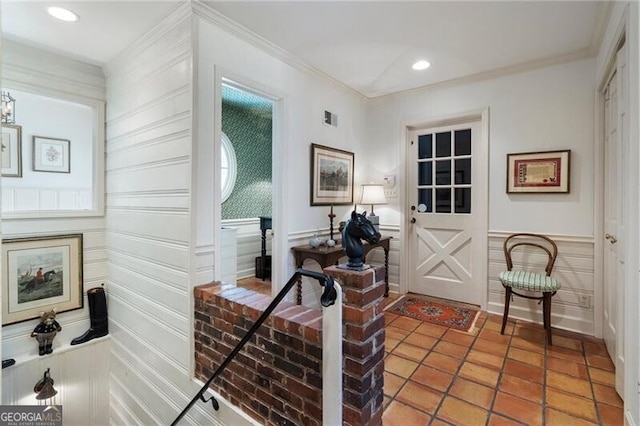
column 491, row 74
column 208, row 13
column 603, row 15
column 203, row 10
column 179, row 14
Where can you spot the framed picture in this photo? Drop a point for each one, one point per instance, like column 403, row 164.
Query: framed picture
column 331, row 176
column 11, row 150
column 39, row 274
column 51, row 155
column 538, row 172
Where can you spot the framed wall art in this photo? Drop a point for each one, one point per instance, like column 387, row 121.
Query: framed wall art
column 331, row 176
column 11, row 150
column 39, row 274
column 539, row 172
column 51, row 155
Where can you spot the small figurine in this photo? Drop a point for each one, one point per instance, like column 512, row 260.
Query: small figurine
column 46, row 331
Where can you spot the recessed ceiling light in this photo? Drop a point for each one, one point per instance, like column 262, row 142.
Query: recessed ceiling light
column 63, row 14
column 421, row 65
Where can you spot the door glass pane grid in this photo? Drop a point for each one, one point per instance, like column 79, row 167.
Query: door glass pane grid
column 446, row 186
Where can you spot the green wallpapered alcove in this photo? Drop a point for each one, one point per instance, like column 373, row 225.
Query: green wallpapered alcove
column 247, row 122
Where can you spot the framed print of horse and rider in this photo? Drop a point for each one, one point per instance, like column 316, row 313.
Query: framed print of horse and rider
column 331, row 176
column 39, row 274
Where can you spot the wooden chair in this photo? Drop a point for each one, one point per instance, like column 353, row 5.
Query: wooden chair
column 521, row 280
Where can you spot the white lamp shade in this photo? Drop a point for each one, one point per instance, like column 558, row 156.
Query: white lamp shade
column 372, row 193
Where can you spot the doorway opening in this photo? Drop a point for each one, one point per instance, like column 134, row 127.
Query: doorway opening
column 246, row 172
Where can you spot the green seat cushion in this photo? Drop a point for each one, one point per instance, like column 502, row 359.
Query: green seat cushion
column 530, row 281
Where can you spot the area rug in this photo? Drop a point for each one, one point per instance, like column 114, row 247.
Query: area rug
column 455, row 315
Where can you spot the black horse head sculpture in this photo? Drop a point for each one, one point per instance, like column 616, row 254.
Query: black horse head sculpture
column 357, row 228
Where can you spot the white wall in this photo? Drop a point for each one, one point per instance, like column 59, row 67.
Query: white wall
column 305, row 98
column 298, row 120
column 50, row 117
column 34, row 71
column 157, row 170
column 148, row 167
column 543, row 109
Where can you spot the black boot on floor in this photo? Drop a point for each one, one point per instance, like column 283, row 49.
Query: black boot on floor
column 98, row 316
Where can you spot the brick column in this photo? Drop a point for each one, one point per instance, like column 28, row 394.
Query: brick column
column 362, row 344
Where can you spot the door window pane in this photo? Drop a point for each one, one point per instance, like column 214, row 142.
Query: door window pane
column 463, row 142
column 424, row 197
column 463, row 200
column 443, row 200
column 443, row 172
column 463, row 171
column 443, row 144
column 424, row 173
column 424, row 146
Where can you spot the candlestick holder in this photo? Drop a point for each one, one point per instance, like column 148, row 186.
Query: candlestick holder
column 331, row 216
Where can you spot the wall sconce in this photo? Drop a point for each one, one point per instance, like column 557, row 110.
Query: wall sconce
column 45, row 390
column 8, row 108
column 373, row 194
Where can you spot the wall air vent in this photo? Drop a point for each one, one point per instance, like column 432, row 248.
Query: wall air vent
column 330, row 119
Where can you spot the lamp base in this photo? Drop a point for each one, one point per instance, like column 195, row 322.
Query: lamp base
column 375, row 221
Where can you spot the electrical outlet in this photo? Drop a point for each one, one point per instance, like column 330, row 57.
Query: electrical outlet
column 390, row 193
column 584, row 301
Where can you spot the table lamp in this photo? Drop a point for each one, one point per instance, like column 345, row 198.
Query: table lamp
column 373, row 194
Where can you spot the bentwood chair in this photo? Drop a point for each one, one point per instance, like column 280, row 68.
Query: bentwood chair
column 515, row 280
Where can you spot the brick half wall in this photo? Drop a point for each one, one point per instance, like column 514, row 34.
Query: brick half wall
column 277, row 377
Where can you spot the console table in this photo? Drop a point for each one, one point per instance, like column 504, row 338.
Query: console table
column 327, row 256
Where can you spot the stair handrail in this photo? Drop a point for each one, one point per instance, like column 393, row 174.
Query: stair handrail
column 327, row 298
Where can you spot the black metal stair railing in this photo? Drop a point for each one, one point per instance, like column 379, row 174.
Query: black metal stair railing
column 328, row 298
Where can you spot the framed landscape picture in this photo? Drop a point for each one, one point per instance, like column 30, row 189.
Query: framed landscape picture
column 39, row 274
column 538, row 172
column 331, row 176
column 11, row 150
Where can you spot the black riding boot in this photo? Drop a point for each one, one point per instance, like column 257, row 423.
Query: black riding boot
column 98, row 316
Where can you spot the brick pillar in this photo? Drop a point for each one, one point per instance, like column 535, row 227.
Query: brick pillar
column 362, row 344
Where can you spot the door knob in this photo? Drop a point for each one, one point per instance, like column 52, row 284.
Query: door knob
column 413, row 220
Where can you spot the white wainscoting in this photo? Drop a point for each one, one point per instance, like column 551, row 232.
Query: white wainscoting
column 249, row 244
column 241, row 243
column 574, row 268
column 149, row 229
column 80, row 375
column 15, row 200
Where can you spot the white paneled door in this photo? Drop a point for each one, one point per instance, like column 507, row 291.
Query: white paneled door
column 447, row 238
column 614, row 205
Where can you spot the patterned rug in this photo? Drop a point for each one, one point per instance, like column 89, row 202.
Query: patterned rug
column 443, row 312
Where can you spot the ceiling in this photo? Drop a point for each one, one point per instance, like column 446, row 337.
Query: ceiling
column 367, row 45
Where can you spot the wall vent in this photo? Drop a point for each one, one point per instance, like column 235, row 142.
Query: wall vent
column 330, row 119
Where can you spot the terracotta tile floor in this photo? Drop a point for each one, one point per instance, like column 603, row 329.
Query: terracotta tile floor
column 439, row 376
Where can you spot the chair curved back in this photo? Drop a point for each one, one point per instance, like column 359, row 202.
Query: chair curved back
column 534, row 240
